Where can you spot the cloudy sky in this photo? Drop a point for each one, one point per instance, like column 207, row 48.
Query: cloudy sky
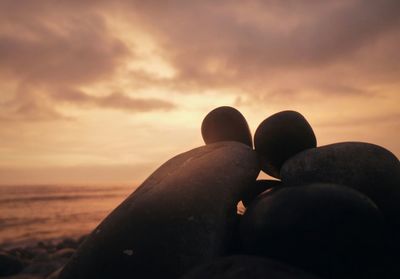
column 105, row 91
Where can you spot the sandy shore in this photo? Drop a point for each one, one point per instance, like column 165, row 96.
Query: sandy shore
column 40, row 260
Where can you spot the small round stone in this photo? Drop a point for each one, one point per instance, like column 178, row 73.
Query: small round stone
column 281, row 136
column 225, row 124
column 327, row 229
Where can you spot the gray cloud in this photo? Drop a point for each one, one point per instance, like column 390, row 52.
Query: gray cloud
column 254, row 44
column 386, row 119
column 50, row 49
column 41, row 107
column 58, row 48
column 114, row 100
column 266, row 49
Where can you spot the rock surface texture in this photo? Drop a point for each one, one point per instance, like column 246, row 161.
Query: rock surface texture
column 331, row 230
column 182, row 215
column 366, row 167
column 246, row 267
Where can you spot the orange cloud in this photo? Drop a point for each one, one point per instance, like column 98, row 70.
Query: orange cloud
column 138, row 73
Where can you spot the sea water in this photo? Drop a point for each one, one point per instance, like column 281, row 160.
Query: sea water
column 37, row 213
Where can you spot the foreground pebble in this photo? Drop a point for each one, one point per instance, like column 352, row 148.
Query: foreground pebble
column 328, row 229
column 182, row 215
column 225, row 124
column 245, row 267
column 280, row 137
column 37, row 261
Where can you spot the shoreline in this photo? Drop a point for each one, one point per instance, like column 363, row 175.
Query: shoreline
column 37, row 260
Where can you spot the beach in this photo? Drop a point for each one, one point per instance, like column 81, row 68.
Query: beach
column 41, row 259
column 41, row 226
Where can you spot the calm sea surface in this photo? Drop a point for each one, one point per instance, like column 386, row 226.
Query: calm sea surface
column 33, row 213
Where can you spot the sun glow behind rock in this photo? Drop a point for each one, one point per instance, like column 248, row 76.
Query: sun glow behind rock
column 119, row 88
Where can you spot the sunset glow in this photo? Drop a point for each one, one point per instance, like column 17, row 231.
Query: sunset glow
column 106, row 91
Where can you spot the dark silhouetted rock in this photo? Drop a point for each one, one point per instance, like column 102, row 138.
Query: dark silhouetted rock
column 280, row 137
column 64, row 253
column 55, row 274
column 9, row 265
column 257, row 188
column 41, row 255
column 81, row 239
column 68, row 243
column 246, row 267
column 365, row 167
column 327, row 229
column 182, row 215
column 225, row 124
column 42, row 268
column 21, row 253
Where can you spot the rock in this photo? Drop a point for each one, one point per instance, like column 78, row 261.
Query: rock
column 47, row 245
column 82, row 239
column 366, row 167
column 327, row 229
column 21, row 253
column 257, row 188
column 42, row 268
column 280, row 137
column 41, row 255
column 25, row 276
column 225, row 124
column 9, row 265
column 67, row 243
column 180, row 216
column 55, row 274
column 234, row 246
column 64, row 253
column 244, row 267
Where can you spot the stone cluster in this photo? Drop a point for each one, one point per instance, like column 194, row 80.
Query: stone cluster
column 44, row 259
column 333, row 213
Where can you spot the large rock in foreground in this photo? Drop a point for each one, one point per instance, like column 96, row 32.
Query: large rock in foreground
column 366, row 167
column 182, row 215
column 245, row 267
column 327, row 229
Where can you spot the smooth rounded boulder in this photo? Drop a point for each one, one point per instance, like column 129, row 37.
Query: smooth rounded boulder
column 257, row 188
column 245, row 267
column 368, row 168
column 327, row 229
column 181, row 216
column 281, row 136
column 225, row 124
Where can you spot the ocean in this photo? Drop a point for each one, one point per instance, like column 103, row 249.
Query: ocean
column 29, row 214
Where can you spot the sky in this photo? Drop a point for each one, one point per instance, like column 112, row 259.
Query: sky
column 106, row 91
